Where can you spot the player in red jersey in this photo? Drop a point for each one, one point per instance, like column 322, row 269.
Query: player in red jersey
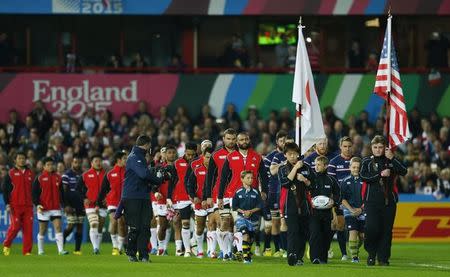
column 89, row 186
column 211, row 189
column 195, row 187
column 179, row 199
column 110, row 194
column 48, row 198
column 237, row 161
column 17, row 188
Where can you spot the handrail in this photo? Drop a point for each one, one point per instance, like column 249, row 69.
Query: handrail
column 191, row 70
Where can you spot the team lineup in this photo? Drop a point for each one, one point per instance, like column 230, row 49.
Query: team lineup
column 231, row 197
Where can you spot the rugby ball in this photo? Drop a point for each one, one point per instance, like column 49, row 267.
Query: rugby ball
column 321, row 202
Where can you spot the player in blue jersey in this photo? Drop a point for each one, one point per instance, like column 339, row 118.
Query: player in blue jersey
column 74, row 208
column 339, row 168
column 271, row 211
column 321, row 149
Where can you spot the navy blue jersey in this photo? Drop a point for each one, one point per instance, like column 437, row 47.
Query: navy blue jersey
column 274, row 184
column 351, row 191
column 339, row 168
column 247, row 200
column 311, row 159
column 70, row 179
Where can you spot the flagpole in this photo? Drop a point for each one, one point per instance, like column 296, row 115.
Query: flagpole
column 298, row 107
column 389, row 76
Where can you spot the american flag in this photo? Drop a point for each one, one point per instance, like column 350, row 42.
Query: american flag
column 390, row 89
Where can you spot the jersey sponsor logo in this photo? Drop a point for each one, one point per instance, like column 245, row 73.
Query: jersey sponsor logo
column 223, row 157
column 91, row 175
column 252, row 196
column 114, row 175
column 253, row 165
column 327, row 186
column 235, row 158
column 45, row 179
column 304, row 172
column 239, row 196
column 139, row 161
column 202, row 173
column 183, row 164
column 16, row 174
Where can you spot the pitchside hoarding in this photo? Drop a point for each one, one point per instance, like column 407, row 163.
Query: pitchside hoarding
column 420, row 218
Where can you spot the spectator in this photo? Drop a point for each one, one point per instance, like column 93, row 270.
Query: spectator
column 282, row 52
column 138, row 62
column 176, row 64
column 444, row 182
column 232, row 117
column 437, row 47
column 89, row 123
column 355, row 56
column 114, row 63
column 372, row 63
column 6, row 51
column 42, row 118
column 142, row 110
column 265, row 146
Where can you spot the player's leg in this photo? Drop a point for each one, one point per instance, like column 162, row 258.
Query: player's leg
column 267, row 224
column 113, row 229
column 200, row 222
column 303, row 237
column 121, row 234
column 154, row 236
column 225, row 226
column 71, row 221
column 275, row 231
column 15, row 216
column 27, row 231
column 102, row 214
column 162, row 220
column 80, row 214
column 177, row 230
column 185, row 214
column 43, row 224
column 283, row 235
column 213, row 222
column 93, row 220
column 341, row 233
column 132, row 212
column 326, row 240
column 57, row 225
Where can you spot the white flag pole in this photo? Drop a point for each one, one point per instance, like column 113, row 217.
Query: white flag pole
column 298, row 107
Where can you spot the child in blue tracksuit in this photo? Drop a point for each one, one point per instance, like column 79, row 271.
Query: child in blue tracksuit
column 247, row 203
column 353, row 213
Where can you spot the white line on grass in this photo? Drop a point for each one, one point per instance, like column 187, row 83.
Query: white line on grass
column 431, row 265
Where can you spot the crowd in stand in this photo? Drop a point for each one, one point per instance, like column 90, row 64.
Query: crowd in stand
column 40, row 134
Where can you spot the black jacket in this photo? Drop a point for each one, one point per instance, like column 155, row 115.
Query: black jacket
column 380, row 190
column 326, row 185
column 297, row 200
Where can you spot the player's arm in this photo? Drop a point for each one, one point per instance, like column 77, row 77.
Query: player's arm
column 336, row 191
column 36, row 191
column 368, row 173
column 191, row 186
column 263, row 178
column 7, row 188
column 283, row 174
column 236, row 203
column 106, row 187
column 331, row 169
column 172, row 183
column 62, row 199
column 210, row 179
column 274, row 166
column 65, row 188
column 224, row 179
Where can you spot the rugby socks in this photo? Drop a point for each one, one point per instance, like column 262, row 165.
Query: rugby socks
column 167, row 239
column 153, row 238
column 213, row 241
column 283, row 240
column 229, row 242
column 114, row 241
column 40, row 241
column 267, row 238
column 120, row 241
column 342, row 239
column 178, row 245
column 199, row 242
column 276, row 242
column 93, row 235
column 246, row 249
column 99, row 240
column 238, row 240
column 353, row 246
column 78, row 239
column 186, row 236
column 220, row 240
column 67, row 233
column 59, row 241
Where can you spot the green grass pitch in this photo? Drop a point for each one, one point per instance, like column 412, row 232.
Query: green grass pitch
column 412, row 260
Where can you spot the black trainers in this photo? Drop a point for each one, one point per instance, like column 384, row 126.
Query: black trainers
column 146, row 260
column 299, row 262
column 132, row 259
column 386, row 263
column 292, row 259
column 370, row 261
column 316, row 261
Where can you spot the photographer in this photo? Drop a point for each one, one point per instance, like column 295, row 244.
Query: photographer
column 139, row 181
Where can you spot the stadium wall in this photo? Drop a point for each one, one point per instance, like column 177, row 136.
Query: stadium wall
column 225, row 7
column 348, row 94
